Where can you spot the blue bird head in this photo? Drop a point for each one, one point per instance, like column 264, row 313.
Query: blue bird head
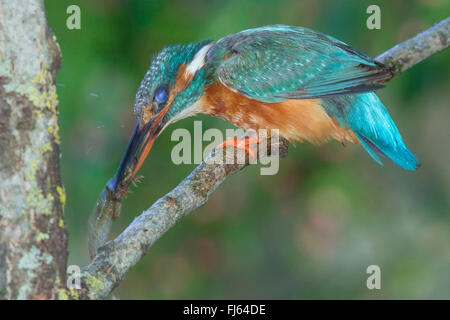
column 171, row 86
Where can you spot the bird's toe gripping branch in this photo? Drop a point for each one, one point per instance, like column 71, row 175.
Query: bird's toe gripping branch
column 244, row 143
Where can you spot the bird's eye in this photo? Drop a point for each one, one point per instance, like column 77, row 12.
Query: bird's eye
column 161, row 95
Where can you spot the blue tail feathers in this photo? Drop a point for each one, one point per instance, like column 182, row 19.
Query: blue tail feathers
column 366, row 115
column 401, row 156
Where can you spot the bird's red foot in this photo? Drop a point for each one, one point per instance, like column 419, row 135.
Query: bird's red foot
column 243, row 144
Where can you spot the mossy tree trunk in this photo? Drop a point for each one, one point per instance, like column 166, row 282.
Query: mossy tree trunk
column 33, row 238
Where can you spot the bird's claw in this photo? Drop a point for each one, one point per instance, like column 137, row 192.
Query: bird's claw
column 242, row 143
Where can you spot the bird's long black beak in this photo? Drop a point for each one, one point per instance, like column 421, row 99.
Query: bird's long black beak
column 137, row 150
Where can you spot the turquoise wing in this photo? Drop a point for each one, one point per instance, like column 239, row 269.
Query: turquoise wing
column 276, row 63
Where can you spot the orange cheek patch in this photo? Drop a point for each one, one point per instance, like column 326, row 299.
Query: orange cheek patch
column 183, row 79
column 148, row 113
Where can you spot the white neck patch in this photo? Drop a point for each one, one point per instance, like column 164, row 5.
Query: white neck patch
column 199, row 59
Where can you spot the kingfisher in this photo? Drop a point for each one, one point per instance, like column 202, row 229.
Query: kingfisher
column 306, row 84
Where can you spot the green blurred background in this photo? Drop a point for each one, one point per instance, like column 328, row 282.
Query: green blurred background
column 308, row 232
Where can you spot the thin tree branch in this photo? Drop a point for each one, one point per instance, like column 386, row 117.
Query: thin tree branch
column 116, row 257
column 410, row 52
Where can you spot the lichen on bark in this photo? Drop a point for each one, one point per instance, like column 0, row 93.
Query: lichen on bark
column 33, row 239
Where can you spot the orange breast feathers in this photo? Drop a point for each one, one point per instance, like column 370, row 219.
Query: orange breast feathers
column 302, row 119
